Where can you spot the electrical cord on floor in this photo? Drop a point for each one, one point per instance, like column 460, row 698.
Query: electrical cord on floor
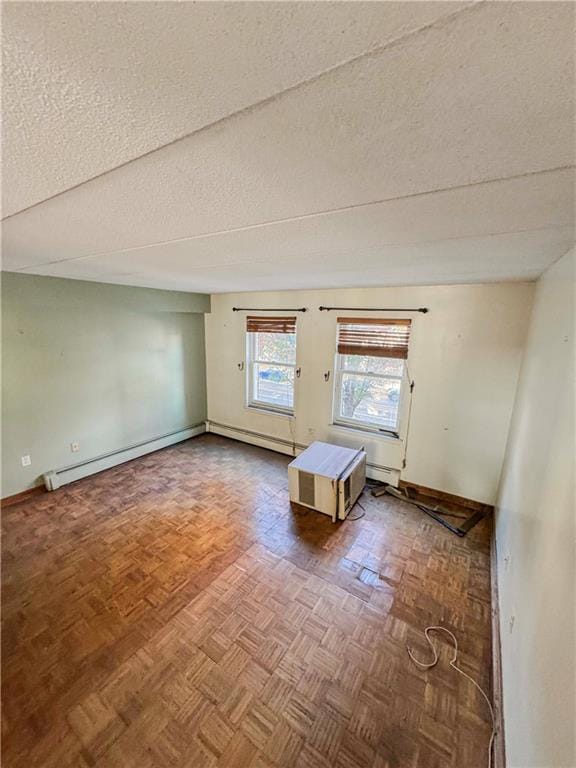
column 453, row 664
column 358, row 517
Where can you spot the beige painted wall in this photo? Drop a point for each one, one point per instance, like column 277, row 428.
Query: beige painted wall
column 102, row 365
column 535, row 536
column 464, row 357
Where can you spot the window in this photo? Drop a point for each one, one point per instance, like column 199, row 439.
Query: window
column 271, row 362
column 370, row 373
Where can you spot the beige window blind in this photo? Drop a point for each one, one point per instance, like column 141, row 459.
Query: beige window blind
column 377, row 338
column 270, row 324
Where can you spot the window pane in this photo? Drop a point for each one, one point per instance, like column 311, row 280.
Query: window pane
column 366, row 364
column 276, row 347
column 371, row 401
column 274, row 385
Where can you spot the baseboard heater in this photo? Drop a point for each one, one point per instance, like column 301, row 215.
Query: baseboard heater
column 281, row 445
column 58, row 477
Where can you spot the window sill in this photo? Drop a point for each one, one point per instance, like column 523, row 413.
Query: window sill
column 270, row 411
column 367, row 431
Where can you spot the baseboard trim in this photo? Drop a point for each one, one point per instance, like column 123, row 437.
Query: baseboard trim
column 271, row 442
column 499, row 750
column 444, row 496
column 59, row 477
column 16, row 498
column 281, row 445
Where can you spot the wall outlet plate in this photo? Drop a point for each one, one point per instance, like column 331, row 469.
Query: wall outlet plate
column 74, row 447
column 26, row 461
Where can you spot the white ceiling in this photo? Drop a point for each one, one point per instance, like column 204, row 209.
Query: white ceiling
column 243, row 146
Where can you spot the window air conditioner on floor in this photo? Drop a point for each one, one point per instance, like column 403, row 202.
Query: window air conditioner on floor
column 328, row 478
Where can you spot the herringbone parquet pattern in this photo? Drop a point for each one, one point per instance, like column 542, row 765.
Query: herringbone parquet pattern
column 176, row 611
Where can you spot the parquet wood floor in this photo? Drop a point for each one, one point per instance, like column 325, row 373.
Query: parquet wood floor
column 175, row 611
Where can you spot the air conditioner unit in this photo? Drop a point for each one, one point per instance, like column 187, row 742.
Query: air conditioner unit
column 328, row 478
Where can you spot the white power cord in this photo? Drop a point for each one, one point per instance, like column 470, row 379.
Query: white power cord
column 457, row 668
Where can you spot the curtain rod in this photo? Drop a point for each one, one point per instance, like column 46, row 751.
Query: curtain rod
column 262, row 309
column 374, row 309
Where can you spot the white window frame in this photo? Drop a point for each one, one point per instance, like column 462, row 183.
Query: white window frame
column 365, row 426
column 251, row 400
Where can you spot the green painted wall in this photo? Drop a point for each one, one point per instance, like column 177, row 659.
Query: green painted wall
column 103, row 365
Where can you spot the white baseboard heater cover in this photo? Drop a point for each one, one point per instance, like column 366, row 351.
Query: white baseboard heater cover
column 388, row 475
column 59, row 477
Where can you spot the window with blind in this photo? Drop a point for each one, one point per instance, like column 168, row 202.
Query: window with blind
column 370, row 373
column 271, row 354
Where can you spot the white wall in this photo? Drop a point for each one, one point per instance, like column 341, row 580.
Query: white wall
column 464, row 357
column 535, row 536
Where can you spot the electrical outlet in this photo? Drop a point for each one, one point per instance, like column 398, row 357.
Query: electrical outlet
column 26, row 461
column 74, row 447
column 511, row 623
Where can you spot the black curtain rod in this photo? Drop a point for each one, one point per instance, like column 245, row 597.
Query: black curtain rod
column 423, row 310
column 262, row 309
column 374, row 309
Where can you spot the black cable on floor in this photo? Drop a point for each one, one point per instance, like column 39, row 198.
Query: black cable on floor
column 358, row 517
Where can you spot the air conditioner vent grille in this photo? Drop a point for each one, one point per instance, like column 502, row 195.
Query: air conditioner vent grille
column 358, row 481
column 347, row 493
column 306, row 487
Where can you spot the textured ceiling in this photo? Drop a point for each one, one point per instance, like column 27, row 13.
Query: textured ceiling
column 238, row 146
column 93, row 85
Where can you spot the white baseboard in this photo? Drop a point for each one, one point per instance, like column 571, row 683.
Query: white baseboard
column 59, row 477
column 281, row 445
